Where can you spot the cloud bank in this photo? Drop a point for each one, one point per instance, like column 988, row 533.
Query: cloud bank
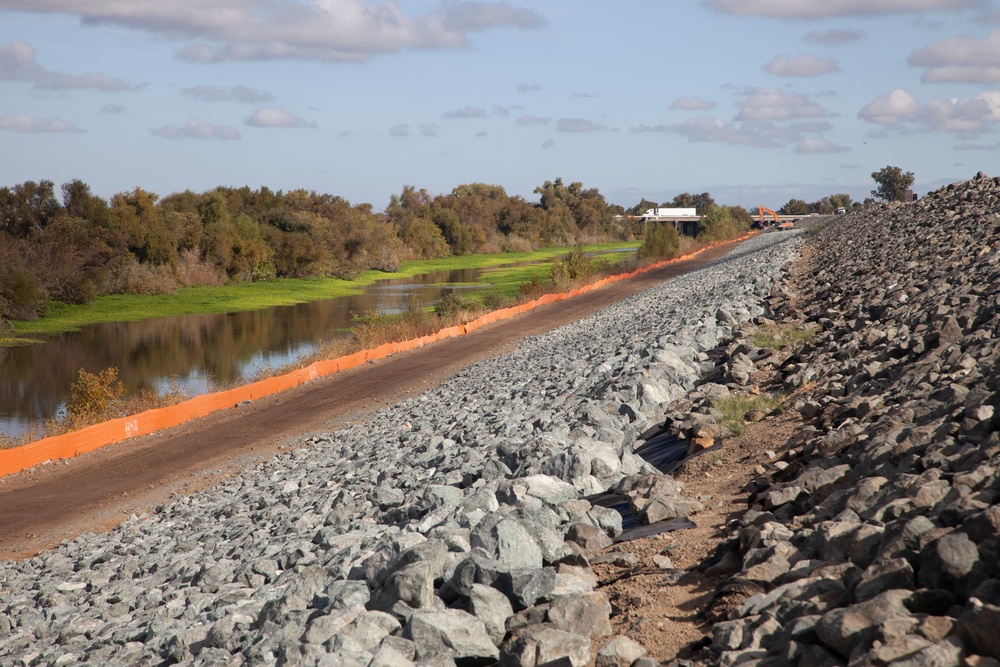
column 803, row 65
column 31, row 125
column 19, row 62
column 241, row 94
column 823, row 9
column 900, row 111
column 196, row 128
column 319, row 30
column 962, row 59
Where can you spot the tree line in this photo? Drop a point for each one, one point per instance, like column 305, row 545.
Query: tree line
column 71, row 245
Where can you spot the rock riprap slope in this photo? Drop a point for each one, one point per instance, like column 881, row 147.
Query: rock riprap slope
column 879, row 543
column 449, row 529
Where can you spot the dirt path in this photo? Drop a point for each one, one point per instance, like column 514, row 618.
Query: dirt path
column 43, row 506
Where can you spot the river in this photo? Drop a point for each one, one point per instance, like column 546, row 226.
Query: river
column 195, row 352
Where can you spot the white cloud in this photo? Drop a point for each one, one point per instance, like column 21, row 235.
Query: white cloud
column 242, row 94
column 401, row 130
column 693, row 104
column 580, row 125
column 481, row 134
column 890, row 109
column 820, row 146
column 833, row 36
column 705, row 129
column 276, row 117
column 112, row 108
column 528, row 87
column 533, row 120
column 323, row 30
column 19, row 62
column 428, row 130
column 811, row 126
column 978, row 147
column 196, row 128
column 776, row 105
column 961, row 59
column 549, row 143
column 967, row 117
column 585, row 96
column 820, row 9
column 802, row 65
column 504, row 111
column 25, row 123
column 641, row 129
column 467, row 112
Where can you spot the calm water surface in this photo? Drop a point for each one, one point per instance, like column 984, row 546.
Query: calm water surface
column 196, row 352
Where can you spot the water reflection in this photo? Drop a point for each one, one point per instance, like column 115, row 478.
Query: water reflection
column 197, row 351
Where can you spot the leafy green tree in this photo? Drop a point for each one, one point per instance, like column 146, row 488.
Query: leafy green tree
column 701, row 203
column 840, row 200
column 26, row 208
column 641, row 207
column 79, row 202
column 892, row 183
column 741, row 216
column 794, row 207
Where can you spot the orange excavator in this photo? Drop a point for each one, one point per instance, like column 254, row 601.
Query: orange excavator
column 760, row 219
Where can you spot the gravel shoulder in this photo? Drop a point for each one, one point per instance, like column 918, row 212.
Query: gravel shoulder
column 43, row 506
column 459, row 525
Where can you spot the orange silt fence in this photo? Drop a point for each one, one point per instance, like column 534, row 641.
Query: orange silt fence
column 88, row 439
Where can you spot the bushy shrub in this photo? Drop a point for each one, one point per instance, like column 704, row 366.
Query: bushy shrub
column 574, row 266
column 532, row 287
column 22, row 297
column 497, row 300
column 719, row 224
column 94, row 398
column 453, row 304
column 662, row 242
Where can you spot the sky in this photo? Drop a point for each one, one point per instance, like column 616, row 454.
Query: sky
column 753, row 101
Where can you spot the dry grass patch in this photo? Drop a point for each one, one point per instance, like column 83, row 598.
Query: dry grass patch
column 738, row 411
column 777, row 336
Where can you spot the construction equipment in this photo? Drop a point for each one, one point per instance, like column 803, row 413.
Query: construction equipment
column 760, row 219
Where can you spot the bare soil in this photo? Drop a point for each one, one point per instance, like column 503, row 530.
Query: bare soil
column 43, row 506
column 671, row 611
column 664, row 609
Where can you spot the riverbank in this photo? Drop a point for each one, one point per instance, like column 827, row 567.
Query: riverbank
column 240, row 297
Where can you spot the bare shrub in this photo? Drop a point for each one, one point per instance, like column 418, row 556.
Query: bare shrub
column 515, row 243
column 135, row 278
column 192, row 270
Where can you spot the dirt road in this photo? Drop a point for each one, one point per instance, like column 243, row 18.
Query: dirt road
column 50, row 503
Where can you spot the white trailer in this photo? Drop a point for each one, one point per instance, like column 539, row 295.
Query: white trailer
column 654, row 214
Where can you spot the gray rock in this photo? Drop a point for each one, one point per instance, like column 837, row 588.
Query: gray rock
column 450, row 632
column 543, row 644
column 412, row 585
column 507, row 541
column 846, row 628
column 525, row 587
column 492, row 608
column 586, row 614
column 619, row 651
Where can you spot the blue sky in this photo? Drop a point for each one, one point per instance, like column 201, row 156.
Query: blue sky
column 754, row 101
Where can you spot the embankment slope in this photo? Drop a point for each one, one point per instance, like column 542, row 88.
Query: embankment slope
column 879, row 541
